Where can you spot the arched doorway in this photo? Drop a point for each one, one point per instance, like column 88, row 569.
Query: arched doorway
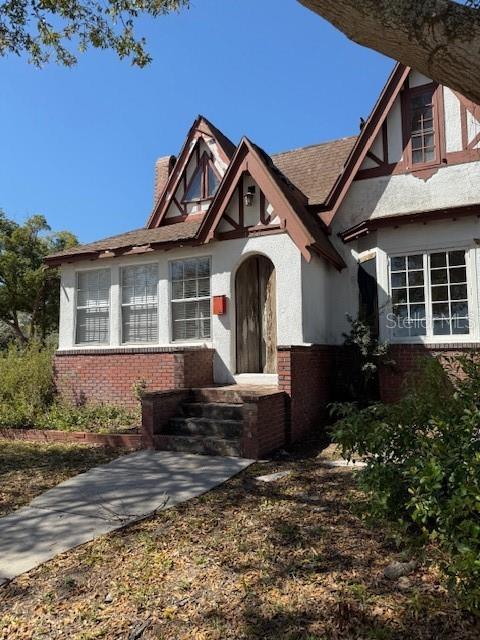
column 256, row 316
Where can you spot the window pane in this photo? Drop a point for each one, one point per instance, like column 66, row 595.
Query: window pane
column 194, row 190
column 415, row 262
column 417, row 294
column 439, row 276
column 438, row 260
column 399, row 279
column 440, row 310
column 398, row 263
column 458, row 292
column 399, row 296
column 191, row 317
column 415, row 278
column 456, row 258
column 140, row 303
column 460, row 325
column 439, row 294
column 460, row 309
column 458, row 274
column 93, row 301
column 441, row 327
column 92, row 325
column 422, row 129
column 213, row 181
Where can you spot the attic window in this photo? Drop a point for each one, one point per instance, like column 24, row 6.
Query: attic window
column 204, row 183
column 423, row 124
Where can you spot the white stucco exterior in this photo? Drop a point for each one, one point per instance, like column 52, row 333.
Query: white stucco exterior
column 296, row 308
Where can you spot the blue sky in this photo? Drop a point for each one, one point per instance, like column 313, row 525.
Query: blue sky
column 79, row 145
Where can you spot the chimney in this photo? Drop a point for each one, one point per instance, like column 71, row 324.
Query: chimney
column 163, row 169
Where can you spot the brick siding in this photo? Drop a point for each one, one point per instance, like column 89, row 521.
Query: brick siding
column 305, row 374
column 408, row 360
column 97, row 376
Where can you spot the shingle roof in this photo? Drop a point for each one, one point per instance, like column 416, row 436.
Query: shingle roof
column 139, row 237
column 314, row 169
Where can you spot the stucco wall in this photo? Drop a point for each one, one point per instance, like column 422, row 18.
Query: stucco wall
column 226, row 257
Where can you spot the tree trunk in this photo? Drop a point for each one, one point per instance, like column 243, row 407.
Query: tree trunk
column 439, row 38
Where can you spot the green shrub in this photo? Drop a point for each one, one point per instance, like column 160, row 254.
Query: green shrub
column 26, row 383
column 423, row 466
column 27, row 397
column 94, row 418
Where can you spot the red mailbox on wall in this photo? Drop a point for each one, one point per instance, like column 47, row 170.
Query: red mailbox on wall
column 219, row 305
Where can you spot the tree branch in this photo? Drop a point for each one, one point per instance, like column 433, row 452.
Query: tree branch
column 439, row 38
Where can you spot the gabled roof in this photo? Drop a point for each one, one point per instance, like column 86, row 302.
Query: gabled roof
column 314, row 169
column 288, row 202
column 200, row 127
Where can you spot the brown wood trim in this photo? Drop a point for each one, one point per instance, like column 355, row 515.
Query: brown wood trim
column 365, row 141
column 385, row 141
column 367, row 226
column 241, row 212
column 451, row 159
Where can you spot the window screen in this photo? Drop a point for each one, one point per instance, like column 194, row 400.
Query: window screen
column 190, row 297
column 93, row 307
column 140, row 303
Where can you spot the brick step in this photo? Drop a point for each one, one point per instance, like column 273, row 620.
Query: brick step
column 213, row 410
column 207, row 427
column 198, row 444
column 216, row 395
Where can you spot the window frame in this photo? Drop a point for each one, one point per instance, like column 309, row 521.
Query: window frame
column 203, row 165
column 76, row 308
column 430, row 337
column 171, row 301
column 438, row 122
column 121, row 305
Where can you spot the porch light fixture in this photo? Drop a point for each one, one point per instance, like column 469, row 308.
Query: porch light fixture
column 249, row 196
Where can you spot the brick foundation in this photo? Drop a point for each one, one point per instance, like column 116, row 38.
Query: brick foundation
column 98, row 376
column 305, row 374
column 408, row 360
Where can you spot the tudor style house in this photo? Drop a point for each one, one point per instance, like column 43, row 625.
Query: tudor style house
column 231, row 301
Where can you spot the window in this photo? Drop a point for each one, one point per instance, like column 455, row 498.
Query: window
column 429, row 294
column 93, row 307
column 422, row 106
column 190, row 297
column 140, row 303
column 408, row 295
column 204, row 182
column 448, row 277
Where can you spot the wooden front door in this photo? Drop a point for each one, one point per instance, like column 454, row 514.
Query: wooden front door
column 256, row 316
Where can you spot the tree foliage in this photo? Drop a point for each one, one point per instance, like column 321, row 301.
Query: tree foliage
column 52, row 29
column 29, row 292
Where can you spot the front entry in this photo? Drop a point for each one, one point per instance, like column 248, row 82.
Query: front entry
column 256, row 316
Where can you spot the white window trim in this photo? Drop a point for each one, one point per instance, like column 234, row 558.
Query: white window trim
column 385, row 298
column 92, row 345
column 191, row 341
column 121, row 267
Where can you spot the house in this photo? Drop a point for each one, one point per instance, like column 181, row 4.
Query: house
column 231, row 302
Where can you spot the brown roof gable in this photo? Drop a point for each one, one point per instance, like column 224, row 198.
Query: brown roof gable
column 314, row 169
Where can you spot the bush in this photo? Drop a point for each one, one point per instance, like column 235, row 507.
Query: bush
column 423, row 466
column 26, row 383
column 27, row 397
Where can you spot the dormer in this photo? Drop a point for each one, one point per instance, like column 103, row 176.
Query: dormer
column 195, row 177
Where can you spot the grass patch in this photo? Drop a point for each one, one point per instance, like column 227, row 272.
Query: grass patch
column 29, row 469
column 286, row 560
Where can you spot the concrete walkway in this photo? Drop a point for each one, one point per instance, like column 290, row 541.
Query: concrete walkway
column 103, row 499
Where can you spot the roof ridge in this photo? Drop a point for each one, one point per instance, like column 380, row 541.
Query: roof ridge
column 311, row 146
